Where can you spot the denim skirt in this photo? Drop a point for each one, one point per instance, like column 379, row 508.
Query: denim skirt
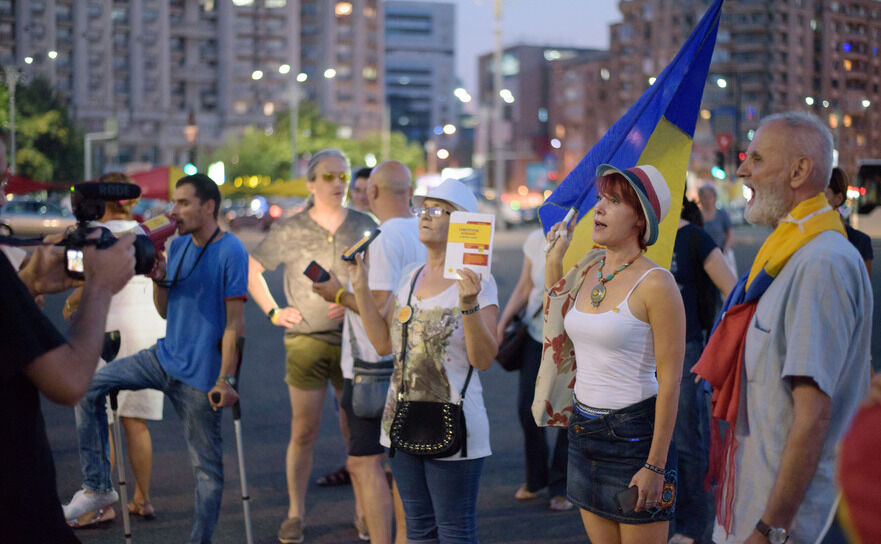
column 605, row 451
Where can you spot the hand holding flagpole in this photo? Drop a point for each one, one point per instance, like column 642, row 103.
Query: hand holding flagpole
column 569, row 216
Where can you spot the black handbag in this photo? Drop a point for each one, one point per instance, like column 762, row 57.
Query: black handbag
column 370, row 387
column 425, row 428
column 510, row 355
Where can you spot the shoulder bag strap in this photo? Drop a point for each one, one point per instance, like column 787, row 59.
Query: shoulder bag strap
column 405, row 330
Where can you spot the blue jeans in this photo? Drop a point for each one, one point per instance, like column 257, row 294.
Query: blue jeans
column 535, row 445
column 694, row 505
column 201, row 430
column 440, row 498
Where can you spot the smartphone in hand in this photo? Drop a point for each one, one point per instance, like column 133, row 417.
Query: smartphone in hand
column 360, row 245
column 315, row 273
column 625, row 501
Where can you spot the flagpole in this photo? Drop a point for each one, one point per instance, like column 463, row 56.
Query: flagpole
column 499, row 177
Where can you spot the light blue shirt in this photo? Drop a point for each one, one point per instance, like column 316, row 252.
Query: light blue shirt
column 815, row 320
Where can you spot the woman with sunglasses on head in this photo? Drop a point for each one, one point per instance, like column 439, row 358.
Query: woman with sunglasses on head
column 440, row 330
column 321, row 232
column 622, row 318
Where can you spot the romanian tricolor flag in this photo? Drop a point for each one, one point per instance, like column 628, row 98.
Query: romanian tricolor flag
column 658, row 130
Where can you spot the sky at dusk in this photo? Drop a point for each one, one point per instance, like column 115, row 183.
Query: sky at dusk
column 581, row 23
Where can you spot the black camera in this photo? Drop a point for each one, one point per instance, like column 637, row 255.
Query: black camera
column 88, row 201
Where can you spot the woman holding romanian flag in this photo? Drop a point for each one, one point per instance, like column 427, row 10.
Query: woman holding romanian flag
column 627, row 333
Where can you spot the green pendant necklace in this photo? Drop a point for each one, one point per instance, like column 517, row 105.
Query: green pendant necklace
column 598, row 293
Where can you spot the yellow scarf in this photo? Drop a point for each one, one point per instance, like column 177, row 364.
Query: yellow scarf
column 808, row 219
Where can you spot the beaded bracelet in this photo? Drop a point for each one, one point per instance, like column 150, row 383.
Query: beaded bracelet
column 653, row 468
column 471, row 310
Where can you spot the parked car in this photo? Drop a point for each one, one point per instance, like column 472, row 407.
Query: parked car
column 34, row 218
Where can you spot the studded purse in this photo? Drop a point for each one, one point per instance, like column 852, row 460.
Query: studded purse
column 425, row 428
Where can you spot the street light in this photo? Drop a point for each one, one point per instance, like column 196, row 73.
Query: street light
column 13, row 76
column 191, row 130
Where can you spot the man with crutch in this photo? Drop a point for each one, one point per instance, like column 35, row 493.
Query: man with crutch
column 201, row 292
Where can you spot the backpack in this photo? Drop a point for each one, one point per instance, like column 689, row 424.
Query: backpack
column 707, row 293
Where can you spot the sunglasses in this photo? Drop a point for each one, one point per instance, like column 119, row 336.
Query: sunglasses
column 330, row 176
column 432, row 212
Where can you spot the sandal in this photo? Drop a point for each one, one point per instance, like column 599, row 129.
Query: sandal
column 332, row 479
column 144, row 510
column 560, row 503
column 524, row 494
column 95, row 519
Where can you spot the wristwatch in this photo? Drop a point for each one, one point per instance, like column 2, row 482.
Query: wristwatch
column 775, row 535
column 272, row 313
column 228, row 380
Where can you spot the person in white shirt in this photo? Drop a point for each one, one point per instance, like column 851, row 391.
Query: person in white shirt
column 451, row 332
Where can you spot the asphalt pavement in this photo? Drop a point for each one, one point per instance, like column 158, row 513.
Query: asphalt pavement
column 266, row 420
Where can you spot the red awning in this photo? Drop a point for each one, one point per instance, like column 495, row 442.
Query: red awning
column 153, row 183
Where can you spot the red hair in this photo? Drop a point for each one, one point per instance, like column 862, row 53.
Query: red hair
column 617, row 185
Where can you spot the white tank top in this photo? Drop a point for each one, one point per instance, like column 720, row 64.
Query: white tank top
column 615, row 355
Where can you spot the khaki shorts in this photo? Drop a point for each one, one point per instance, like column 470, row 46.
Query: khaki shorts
column 310, row 363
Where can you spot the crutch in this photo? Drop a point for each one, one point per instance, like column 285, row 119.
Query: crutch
column 112, row 341
column 240, row 449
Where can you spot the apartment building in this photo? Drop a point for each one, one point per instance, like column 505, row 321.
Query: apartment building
column 524, row 133
column 420, row 74
column 810, row 55
column 341, row 54
column 176, row 78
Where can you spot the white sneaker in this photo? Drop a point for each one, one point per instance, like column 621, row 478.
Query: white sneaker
column 84, row 502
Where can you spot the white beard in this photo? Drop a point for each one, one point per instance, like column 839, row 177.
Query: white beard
column 768, row 207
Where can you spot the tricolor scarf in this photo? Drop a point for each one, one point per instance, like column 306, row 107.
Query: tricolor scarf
column 721, row 363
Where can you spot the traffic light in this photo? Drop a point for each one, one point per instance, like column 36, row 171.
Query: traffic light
column 741, row 156
column 190, row 169
column 720, row 160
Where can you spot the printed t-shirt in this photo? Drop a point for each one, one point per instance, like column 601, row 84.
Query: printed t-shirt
column 396, row 247
column 196, row 315
column 29, row 502
column 437, row 362
column 295, row 243
column 682, row 268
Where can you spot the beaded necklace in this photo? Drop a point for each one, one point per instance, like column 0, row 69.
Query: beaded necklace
column 598, row 293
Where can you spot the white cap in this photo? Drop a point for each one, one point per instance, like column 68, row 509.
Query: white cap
column 453, row 191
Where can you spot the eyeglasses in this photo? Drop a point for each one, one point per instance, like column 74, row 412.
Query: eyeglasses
column 432, row 212
column 330, row 176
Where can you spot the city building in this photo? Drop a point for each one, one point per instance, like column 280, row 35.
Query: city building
column 420, row 74
column 341, row 55
column 175, row 78
column 524, row 133
column 809, row 55
column 583, row 106
column 171, row 77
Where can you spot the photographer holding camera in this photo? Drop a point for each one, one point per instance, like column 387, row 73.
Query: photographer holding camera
column 201, row 292
column 37, row 358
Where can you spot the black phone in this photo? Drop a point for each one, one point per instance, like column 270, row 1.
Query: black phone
column 625, row 501
column 360, row 245
column 315, row 273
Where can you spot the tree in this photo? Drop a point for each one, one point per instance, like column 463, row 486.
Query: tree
column 261, row 153
column 49, row 146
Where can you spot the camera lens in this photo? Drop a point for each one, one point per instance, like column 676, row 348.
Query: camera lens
column 145, row 255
